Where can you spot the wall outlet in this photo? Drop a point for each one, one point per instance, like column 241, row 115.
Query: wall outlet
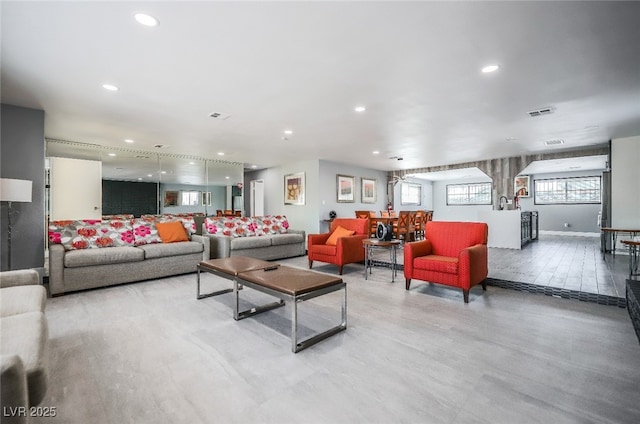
column 509, row 202
column 566, row 225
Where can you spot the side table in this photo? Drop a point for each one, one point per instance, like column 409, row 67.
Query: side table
column 371, row 244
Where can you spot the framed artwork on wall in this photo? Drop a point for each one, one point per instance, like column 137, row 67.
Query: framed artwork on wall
column 521, row 186
column 294, row 187
column 345, row 187
column 171, row 198
column 369, row 190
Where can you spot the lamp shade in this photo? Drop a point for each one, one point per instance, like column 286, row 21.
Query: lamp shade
column 12, row 190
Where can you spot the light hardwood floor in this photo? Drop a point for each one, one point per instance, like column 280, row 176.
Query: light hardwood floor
column 150, row 352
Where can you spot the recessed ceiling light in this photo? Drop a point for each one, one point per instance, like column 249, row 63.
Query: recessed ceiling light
column 220, row 153
column 139, row 178
column 163, row 172
column 375, row 152
column 289, row 132
column 110, row 87
column 146, row 20
column 490, row 68
column 128, row 140
column 192, row 163
column 149, row 175
column 112, row 154
column 254, row 166
column 227, row 177
column 360, row 108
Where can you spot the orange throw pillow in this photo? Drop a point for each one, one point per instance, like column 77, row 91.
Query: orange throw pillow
column 171, row 232
column 337, row 233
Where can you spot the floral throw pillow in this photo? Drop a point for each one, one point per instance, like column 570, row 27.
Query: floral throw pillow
column 79, row 235
column 145, row 232
column 119, row 231
column 277, row 224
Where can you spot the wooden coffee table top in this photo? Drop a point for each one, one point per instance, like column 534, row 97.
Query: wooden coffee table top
column 381, row 243
column 235, row 264
column 292, row 281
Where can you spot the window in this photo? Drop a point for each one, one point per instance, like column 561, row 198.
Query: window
column 190, row 198
column 411, row 194
column 567, row 191
column 469, row 194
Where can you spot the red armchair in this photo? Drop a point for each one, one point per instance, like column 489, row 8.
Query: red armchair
column 346, row 250
column 453, row 253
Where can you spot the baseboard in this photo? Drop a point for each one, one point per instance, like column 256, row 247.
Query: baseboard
column 569, row 233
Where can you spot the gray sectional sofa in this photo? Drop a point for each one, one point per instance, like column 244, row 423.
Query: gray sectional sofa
column 264, row 237
column 24, row 342
column 88, row 254
column 72, row 270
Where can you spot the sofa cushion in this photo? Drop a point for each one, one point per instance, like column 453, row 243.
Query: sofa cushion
column 280, row 239
column 164, row 250
column 118, row 230
column 112, row 255
column 437, row 263
column 250, row 242
column 21, row 299
column 26, row 335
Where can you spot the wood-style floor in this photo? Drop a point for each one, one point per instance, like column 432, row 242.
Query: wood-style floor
column 149, row 352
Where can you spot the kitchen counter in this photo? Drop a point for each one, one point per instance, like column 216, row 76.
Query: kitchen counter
column 510, row 229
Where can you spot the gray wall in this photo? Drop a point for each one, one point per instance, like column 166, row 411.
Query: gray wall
column 22, row 157
column 444, row 212
column 582, row 218
column 320, row 197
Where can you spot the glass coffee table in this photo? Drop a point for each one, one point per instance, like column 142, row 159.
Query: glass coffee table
column 370, row 245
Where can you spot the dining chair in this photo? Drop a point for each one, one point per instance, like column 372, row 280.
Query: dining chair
column 406, row 226
column 419, row 226
column 219, row 212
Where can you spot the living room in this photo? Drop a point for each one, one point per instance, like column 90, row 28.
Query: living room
column 270, row 90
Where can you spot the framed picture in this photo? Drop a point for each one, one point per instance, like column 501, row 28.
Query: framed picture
column 171, row 198
column 206, row 198
column 521, row 186
column 345, row 185
column 294, row 189
column 369, row 190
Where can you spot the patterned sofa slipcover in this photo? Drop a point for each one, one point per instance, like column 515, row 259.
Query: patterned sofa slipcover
column 87, row 254
column 261, row 237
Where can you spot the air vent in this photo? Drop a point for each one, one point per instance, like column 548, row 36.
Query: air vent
column 553, row 142
column 159, row 146
column 219, row 115
column 141, row 157
column 540, row 112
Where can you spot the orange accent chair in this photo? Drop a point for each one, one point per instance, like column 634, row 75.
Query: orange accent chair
column 453, row 253
column 347, row 249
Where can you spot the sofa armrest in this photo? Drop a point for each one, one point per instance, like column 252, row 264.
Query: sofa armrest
column 206, row 253
column 473, row 265
column 13, row 382
column 56, row 269
column 219, row 246
column 21, row 277
column 414, row 250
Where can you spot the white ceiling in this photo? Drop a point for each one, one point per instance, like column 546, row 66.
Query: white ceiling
column 304, row 66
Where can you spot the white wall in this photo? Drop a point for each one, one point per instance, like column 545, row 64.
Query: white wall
column 625, row 182
column 443, row 212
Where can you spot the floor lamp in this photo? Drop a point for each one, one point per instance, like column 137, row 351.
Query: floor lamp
column 12, row 190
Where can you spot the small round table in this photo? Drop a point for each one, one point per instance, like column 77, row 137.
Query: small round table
column 633, row 256
column 371, row 244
